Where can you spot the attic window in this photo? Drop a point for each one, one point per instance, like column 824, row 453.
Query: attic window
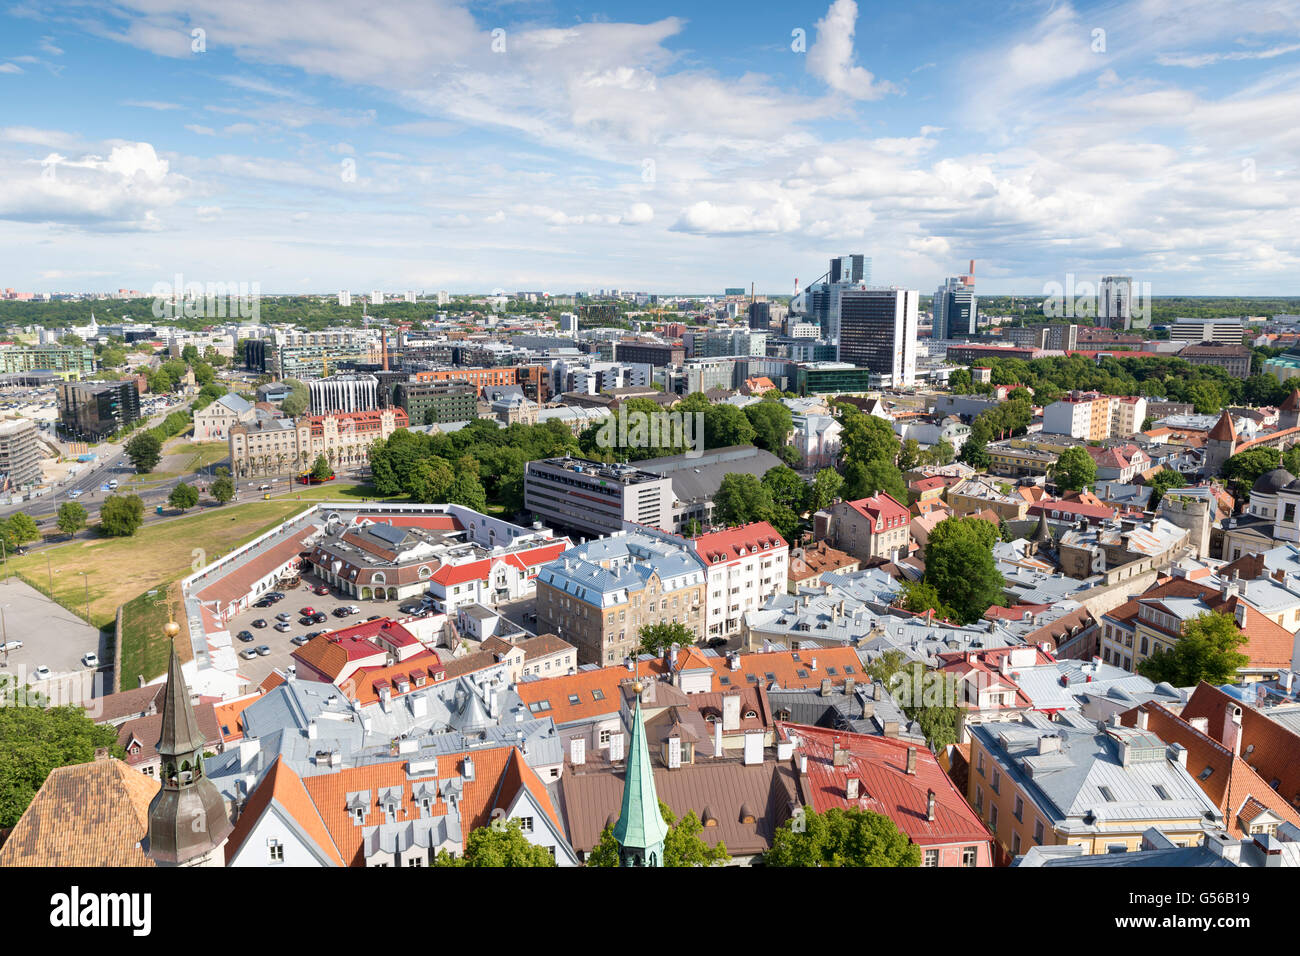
column 1161, row 792
column 724, row 680
column 803, row 674
column 750, row 715
column 597, row 694
column 770, row 676
column 831, row 671
column 848, row 668
column 574, row 699
column 1205, row 774
column 1107, row 795
column 752, row 678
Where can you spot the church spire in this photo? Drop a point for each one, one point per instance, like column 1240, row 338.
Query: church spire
column 187, row 817
column 640, row 830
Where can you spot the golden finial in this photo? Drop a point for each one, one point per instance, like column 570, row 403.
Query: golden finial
column 171, row 629
column 637, row 686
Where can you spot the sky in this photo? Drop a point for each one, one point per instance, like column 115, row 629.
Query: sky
column 318, row 145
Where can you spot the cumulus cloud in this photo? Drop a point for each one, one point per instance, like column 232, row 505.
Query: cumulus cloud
column 637, row 214
column 830, row 58
column 708, row 218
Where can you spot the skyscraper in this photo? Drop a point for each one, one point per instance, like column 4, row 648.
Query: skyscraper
column 877, row 331
column 345, row 298
column 1115, row 302
column 955, row 309
column 821, row 300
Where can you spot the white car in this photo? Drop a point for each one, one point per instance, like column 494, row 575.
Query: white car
column 11, row 646
column 41, row 673
column 91, row 660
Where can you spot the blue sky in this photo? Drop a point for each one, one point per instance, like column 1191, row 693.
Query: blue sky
column 312, row 145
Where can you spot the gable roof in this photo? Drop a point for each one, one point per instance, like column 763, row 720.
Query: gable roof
column 1268, row 746
column 283, row 788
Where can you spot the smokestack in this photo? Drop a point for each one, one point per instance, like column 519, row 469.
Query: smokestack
column 383, row 338
column 911, row 761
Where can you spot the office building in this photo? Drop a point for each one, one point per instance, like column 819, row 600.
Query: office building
column 343, row 393
column 533, row 380
column 877, row 331
column 345, row 299
column 657, row 354
column 1235, row 359
column 594, row 498
column 760, row 315
column 1115, row 302
column 955, row 308
column 820, row 301
column 1055, row 337
column 91, row 411
column 71, row 362
column 20, row 454
column 1226, row 331
column 428, row 403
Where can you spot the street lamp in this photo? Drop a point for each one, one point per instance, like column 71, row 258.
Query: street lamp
column 86, row 577
column 4, row 634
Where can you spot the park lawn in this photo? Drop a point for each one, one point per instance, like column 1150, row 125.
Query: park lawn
column 119, row 569
column 207, row 453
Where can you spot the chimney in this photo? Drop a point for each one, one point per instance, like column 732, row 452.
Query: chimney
column 839, row 756
column 851, row 786
column 812, row 664
column 1177, row 753
column 1201, row 724
column 577, row 751
column 1141, row 719
column 849, row 685
column 911, row 761
column 1232, row 729
column 731, row 712
column 929, row 806
column 1049, row 744
column 826, row 687
column 868, row 709
column 717, row 738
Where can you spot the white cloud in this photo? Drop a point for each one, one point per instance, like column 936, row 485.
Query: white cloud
column 830, row 58
column 200, row 130
column 707, row 218
column 152, row 105
column 10, row 68
column 637, row 214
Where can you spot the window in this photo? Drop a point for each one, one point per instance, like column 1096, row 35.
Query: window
column 526, row 824
column 1161, row 792
column 1107, row 795
column 993, row 817
column 574, row 699
column 979, row 799
column 969, row 855
column 979, row 765
column 1038, row 832
column 597, row 694
column 276, row 849
column 1015, row 844
column 604, row 738
column 931, row 858
column 997, row 781
column 1019, row 812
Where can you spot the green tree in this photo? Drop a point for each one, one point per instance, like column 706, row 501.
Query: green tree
column 909, row 456
column 121, row 515
column 959, row 564
column 868, row 439
column 145, row 451
column 498, row 846
column 35, row 740
column 1207, row 651
column 726, row 425
column 1074, row 469
column 467, row 490
column 1245, row 467
column 321, row 470
column 786, row 487
column 841, row 838
column 919, row 597
column 183, row 497
column 189, row 354
column 825, row 488
column 658, row 638
column 223, row 489
column 862, row 479
column 740, row 499
column 772, row 422
column 296, row 402
column 160, row 383
column 430, row 481
column 72, row 517
column 682, row 845
column 21, row 528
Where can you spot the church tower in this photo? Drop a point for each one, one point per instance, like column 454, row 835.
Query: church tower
column 1289, row 411
column 641, row 829
column 188, row 823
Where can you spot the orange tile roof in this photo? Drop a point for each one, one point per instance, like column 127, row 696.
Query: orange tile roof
column 329, row 793
column 585, row 685
column 230, row 716
column 1270, row 748
column 520, row 776
column 1231, row 782
column 285, row 787
column 785, row 666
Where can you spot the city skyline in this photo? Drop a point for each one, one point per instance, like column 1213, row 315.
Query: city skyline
column 659, row 147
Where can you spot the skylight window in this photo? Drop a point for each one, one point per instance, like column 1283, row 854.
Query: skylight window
column 1107, row 795
column 1161, row 792
column 1205, row 774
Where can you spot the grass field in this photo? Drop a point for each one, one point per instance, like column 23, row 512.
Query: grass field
column 145, row 648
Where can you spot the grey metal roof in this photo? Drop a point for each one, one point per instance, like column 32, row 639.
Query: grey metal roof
column 696, row 479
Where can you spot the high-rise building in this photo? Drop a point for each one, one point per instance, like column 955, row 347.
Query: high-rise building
column 345, row 298
column 1115, row 302
column 95, row 410
column 410, row 295
column 376, row 297
column 20, row 454
column 956, row 312
column 821, row 300
column 760, row 315
column 877, row 331
column 443, row 297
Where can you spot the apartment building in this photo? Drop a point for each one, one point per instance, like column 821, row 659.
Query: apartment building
column 599, row 595
column 20, row 454
column 869, row 528
column 596, row 498
column 534, row 380
column 746, row 565
column 269, row 445
column 1092, row 416
column 70, row 362
column 1075, row 782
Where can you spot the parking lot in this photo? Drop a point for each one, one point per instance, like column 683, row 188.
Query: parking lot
column 281, row 642
column 52, row 637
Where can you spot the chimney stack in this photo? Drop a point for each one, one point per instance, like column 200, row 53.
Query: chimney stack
column 1232, row 729
column 839, row 756
column 929, row 806
column 911, row 761
column 1141, row 719
column 826, row 687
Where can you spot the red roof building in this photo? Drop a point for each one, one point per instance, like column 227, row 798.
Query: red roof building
column 889, row 776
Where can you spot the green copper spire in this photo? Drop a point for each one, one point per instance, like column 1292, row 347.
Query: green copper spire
column 640, row 830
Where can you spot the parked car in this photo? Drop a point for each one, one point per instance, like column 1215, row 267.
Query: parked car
column 284, row 616
column 414, row 608
column 322, row 589
column 11, row 646
column 276, row 595
column 248, row 653
column 260, row 622
column 341, row 612
column 284, row 626
column 320, row 617
column 245, row 636
column 307, row 611
column 90, row 660
column 301, row 639
column 263, row 650
column 374, row 617
column 41, row 673
column 264, row 603
column 314, row 634
column 74, row 493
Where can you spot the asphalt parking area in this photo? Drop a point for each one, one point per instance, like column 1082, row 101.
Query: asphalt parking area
column 52, row 637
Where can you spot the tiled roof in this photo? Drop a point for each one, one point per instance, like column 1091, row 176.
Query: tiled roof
column 422, row 670
column 519, row 776
column 1229, row 781
column 720, row 547
column 1223, row 429
column 791, row 670
column 148, row 730
column 129, row 703
column 87, row 814
column 1269, row 747
column 285, row 787
column 880, row 763
column 881, row 505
